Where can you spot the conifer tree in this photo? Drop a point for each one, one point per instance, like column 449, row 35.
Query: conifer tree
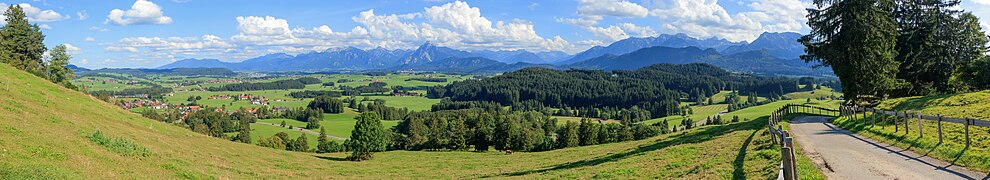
column 21, row 43
column 367, row 137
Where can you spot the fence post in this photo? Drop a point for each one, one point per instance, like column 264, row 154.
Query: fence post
column 873, row 119
column 790, row 165
column 921, row 128
column 940, row 128
column 788, row 172
column 907, row 118
column 968, row 121
column 897, row 127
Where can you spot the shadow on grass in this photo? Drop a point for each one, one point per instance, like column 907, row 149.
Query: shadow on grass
column 738, row 172
column 694, row 136
column 344, row 159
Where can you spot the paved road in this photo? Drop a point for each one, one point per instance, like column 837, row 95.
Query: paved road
column 303, row 131
column 844, row 155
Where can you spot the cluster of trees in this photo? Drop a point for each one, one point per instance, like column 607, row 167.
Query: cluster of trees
column 440, row 80
column 314, row 94
column 480, row 130
column 282, row 141
column 657, row 89
column 378, row 108
column 311, row 116
column 299, row 83
column 374, row 87
column 447, row 104
column 22, row 46
column 151, row 92
column 327, row 104
column 211, row 122
column 897, row 48
column 631, row 115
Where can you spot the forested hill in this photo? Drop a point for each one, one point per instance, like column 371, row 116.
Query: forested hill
column 657, row 88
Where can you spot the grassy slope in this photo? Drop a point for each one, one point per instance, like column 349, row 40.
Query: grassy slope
column 953, row 149
column 43, row 131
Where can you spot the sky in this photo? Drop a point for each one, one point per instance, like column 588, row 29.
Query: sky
column 151, row 33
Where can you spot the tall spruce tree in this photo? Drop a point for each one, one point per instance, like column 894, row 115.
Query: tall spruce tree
column 857, row 39
column 21, row 43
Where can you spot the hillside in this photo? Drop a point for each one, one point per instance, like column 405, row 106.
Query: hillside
column 45, row 129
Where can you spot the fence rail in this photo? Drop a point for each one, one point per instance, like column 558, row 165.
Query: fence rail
column 898, row 118
column 788, row 162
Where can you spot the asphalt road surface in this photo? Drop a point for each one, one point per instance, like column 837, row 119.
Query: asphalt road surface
column 844, row 155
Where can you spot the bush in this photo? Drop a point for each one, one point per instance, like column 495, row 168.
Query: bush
column 118, row 145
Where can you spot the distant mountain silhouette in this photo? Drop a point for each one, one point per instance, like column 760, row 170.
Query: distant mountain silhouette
column 759, row 62
column 770, row 54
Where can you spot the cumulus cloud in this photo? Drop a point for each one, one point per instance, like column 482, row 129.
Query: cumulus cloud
column 34, row 14
column 44, row 26
column 142, row 12
column 82, row 15
column 706, row 18
column 455, row 24
column 638, row 31
column 71, row 49
column 982, row 2
column 614, row 8
column 90, row 39
column 611, row 33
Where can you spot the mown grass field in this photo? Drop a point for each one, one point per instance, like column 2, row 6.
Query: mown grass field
column 953, row 148
column 44, row 132
column 824, row 92
column 700, row 112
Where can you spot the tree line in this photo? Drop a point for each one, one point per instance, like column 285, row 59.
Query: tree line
column 657, row 89
column 896, row 48
column 299, row 83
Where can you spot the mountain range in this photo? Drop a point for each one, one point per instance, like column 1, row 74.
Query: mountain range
column 769, row 50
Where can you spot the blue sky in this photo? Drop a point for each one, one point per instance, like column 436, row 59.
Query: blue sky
column 150, row 33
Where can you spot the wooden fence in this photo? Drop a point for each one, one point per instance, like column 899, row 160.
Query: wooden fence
column 899, row 118
column 788, row 162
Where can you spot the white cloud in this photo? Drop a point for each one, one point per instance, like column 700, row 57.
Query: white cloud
column 982, row 2
column 90, row 39
column 121, row 49
column 614, row 8
column 142, row 12
column 34, row 14
column 100, row 29
column 611, row 33
column 706, row 18
column 82, row 15
column 44, row 26
column 71, row 49
column 455, row 24
column 638, row 31
column 582, row 21
column 533, row 6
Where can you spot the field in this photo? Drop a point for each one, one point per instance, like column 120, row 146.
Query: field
column 953, row 149
column 339, row 125
column 824, row 92
column 41, row 119
column 700, row 112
